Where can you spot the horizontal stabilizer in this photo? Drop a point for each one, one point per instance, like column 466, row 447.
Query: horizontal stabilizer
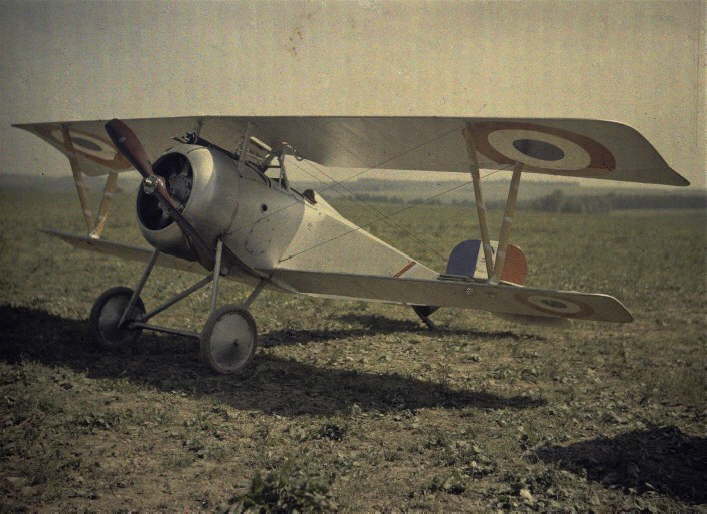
column 467, row 294
column 467, row 260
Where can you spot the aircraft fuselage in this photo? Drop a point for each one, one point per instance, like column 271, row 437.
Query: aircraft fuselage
column 261, row 219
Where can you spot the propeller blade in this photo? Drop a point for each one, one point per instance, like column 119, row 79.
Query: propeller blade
column 204, row 254
column 130, row 146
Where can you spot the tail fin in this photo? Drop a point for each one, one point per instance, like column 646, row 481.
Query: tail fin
column 467, row 260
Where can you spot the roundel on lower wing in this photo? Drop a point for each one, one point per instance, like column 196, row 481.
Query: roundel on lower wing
column 542, row 149
column 92, row 147
column 554, row 305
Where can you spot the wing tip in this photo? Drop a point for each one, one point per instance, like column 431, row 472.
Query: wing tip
column 623, row 315
column 682, row 180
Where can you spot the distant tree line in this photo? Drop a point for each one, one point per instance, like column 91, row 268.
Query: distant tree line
column 558, row 201
column 367, row 197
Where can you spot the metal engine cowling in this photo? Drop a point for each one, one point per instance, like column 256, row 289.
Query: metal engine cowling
column 205, row 183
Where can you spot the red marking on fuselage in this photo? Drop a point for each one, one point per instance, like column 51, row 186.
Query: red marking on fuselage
column 404, row 269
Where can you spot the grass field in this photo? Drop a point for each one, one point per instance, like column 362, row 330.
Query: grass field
column 355, row 406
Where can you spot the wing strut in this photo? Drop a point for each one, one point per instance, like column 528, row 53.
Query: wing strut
column 494, row 267
column 104, row 207
column 78, row 177
column 480, row 204
column 94, row 227
column 505, row 232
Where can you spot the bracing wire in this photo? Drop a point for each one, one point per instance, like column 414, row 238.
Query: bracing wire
column 382, row 215
column 394, row 213
column 397, row 156
column 367, row 170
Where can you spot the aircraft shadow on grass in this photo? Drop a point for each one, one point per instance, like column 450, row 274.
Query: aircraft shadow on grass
column 375, row 324
column 274, row 385
column 660, row 459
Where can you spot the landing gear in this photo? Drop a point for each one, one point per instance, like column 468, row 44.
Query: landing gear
column 227, row 342
column 229, row 339
column 106, row 314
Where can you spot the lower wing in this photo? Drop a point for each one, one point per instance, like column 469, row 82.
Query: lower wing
column 469, row 294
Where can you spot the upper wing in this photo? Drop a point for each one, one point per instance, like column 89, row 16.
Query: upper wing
column 570, row 147
column 94, row 150
column 504, row 299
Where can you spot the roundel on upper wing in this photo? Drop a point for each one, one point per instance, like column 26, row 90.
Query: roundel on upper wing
column 542, row 149
column 90, row 146
column 554, row 305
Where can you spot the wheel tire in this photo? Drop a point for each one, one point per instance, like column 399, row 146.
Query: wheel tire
column 105, row 315
column 229, row 340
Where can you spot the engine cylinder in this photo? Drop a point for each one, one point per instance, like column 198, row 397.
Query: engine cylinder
column 204, row 182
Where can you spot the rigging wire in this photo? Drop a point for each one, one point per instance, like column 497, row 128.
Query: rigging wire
column 394, row 213
column 367, row 170
column 378, row 165
column 382, row 215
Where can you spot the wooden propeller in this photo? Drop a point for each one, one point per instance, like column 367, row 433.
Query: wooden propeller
column 130, row 146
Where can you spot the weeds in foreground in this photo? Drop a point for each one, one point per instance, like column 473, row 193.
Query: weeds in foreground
column 292, row 487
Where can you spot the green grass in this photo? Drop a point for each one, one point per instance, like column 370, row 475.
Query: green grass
column 353, row 404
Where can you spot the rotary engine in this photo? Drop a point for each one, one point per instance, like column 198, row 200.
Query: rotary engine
column 204, row 182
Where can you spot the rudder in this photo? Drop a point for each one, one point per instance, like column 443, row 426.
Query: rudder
column 467, row 260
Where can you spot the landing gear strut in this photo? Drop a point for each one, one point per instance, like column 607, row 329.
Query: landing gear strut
column 227, row 343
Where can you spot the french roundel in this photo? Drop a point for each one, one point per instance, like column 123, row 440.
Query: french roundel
column 542, row 149
column 554, row 305
column 88, row 144
column 91, row 146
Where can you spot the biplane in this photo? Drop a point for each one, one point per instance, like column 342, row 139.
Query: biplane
column 218, row 201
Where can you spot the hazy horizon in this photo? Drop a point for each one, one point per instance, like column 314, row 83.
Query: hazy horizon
column 641, row 63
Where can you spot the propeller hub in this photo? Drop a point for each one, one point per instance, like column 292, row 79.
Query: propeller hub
column 149, row 184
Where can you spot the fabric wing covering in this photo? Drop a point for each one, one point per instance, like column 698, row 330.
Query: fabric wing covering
column 566, row 147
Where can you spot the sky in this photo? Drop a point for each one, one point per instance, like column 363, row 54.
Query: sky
column 637, row 62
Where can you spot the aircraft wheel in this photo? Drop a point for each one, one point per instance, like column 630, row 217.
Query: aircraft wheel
column 106, row 313
column 229, row 340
